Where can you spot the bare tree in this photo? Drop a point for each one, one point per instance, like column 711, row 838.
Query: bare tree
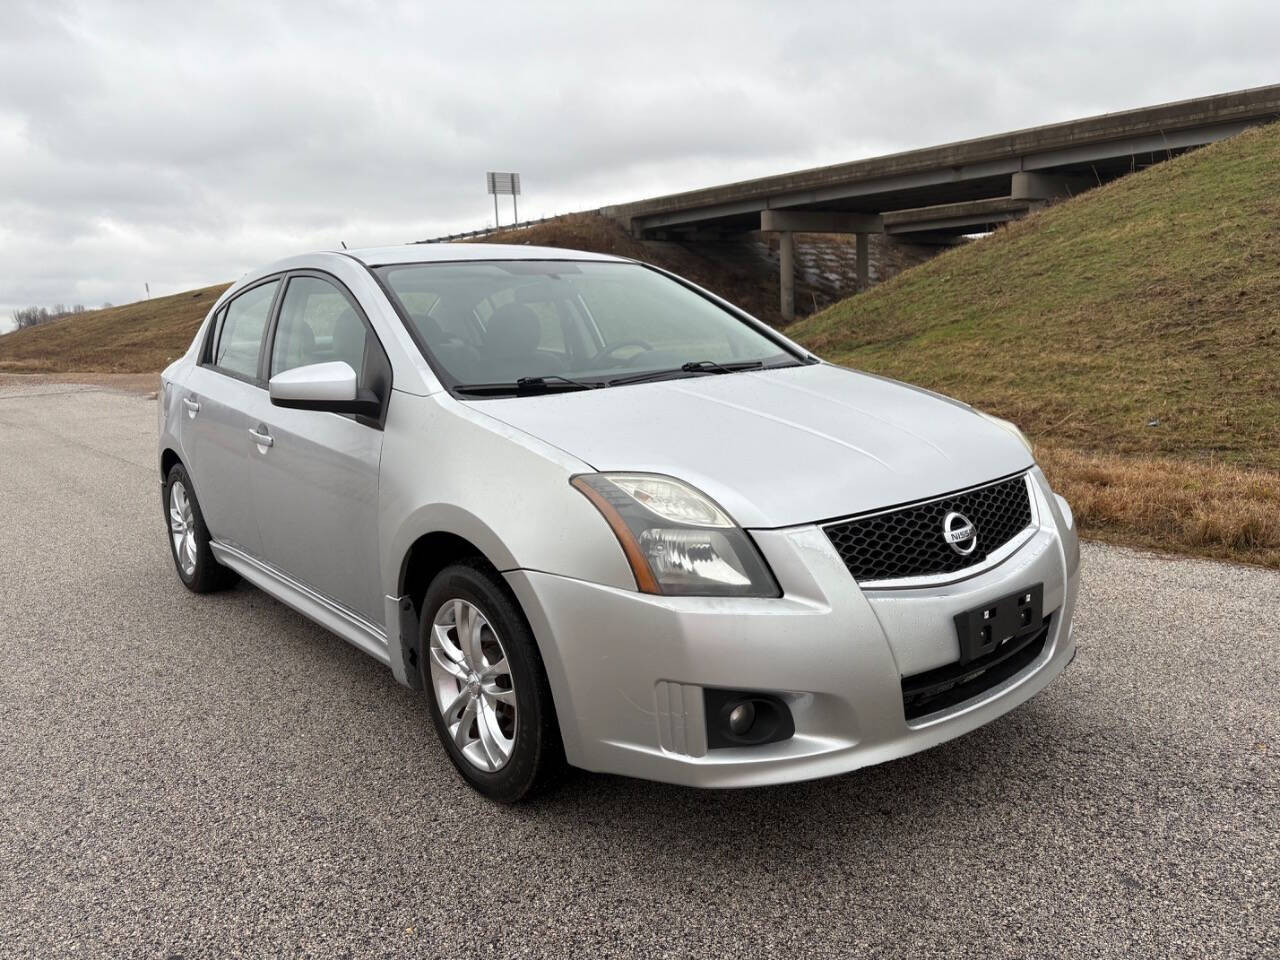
column 33, row 316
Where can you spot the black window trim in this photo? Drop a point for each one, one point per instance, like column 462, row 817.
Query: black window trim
column 264, row 361
column 451, row 383
column 215, row 331
column 210, row 335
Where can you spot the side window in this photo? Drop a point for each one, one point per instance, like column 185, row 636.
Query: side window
column 239, row 340
column 318, row 325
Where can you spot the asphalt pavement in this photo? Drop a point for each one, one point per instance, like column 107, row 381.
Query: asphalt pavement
column 216, row 776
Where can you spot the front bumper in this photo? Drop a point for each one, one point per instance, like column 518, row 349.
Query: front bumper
column 628, row 670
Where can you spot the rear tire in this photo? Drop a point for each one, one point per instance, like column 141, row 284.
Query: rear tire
column 189, row 537
column 486, row 686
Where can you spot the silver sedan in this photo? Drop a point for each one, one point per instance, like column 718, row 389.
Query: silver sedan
column 602, row 518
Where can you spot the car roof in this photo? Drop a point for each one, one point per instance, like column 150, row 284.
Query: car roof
column 415, row 253
column 461, row 252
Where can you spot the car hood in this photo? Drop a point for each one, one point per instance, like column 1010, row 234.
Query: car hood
column 778, row 447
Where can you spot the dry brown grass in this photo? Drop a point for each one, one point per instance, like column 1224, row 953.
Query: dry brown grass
column 1207, row 509
column 138, row 337
column 143, row 383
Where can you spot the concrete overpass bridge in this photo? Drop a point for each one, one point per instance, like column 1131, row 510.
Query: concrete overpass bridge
column 937, row 194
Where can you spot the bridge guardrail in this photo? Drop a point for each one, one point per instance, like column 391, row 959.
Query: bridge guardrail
column 488, row 231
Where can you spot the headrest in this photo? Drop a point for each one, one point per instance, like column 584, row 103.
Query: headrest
column 512, row 331
column 349, row 339
column 430, row 330
column 303, row 339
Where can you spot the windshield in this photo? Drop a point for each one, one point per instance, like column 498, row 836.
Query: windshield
column 569, row 323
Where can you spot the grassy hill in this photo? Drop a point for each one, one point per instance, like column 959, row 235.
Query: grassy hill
column 1133, row 332
column 138, row 337
column 1154, row 298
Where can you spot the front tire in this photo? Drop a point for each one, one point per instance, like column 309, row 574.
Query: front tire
column 189, row 537
column 486, row 685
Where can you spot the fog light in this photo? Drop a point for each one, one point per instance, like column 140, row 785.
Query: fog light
column 741, row 718
column 745, row 718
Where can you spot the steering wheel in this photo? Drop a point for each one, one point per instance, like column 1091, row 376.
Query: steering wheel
column 643, row 345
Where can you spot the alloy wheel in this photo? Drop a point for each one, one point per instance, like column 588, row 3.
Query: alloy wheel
column 182, row 527
column 473, row 686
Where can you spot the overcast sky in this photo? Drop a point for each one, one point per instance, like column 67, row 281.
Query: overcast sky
column 182, row 144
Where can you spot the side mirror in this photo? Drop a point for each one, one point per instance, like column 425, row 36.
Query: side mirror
column 330, row 387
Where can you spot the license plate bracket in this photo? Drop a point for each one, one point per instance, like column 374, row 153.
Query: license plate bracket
column 993, row 625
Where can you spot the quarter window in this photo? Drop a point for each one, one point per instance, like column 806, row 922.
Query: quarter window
column 239, row 341
column 318, row 325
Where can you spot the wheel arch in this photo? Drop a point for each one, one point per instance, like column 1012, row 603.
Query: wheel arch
column 427, row 541
column 168, row 459
column 427, row 556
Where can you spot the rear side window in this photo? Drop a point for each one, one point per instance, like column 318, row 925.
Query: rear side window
column 239, row 340
column 318, row 325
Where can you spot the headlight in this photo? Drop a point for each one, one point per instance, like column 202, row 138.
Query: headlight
column 1007, row 426
column 677, row 540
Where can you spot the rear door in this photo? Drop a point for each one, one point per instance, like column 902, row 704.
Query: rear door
column 222, row 400
column 316, row 487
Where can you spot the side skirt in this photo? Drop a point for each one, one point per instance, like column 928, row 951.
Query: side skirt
column 349, row 625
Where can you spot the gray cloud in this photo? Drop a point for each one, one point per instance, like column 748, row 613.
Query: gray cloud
column 183, row 144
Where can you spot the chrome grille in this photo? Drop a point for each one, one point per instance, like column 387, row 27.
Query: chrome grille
column 908, row 541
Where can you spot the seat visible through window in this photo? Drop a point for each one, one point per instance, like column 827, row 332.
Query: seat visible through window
column 511, row 340
column 318, row 325
column 239, row 341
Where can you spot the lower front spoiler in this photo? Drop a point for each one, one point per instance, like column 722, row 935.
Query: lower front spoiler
column 809, row 757
column 628, row 670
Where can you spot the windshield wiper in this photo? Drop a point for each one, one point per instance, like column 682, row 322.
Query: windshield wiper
column 551, row 382
column 693, row 366
column 554, row 380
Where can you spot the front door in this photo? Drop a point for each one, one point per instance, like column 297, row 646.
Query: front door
column 316, row 485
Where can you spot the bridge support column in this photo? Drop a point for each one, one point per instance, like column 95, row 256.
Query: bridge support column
column 785, row 222
column 787, row 275
column 1027, row 185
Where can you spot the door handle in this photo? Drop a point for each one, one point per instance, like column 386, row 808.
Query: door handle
column 192, row 405
column 262, row 439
